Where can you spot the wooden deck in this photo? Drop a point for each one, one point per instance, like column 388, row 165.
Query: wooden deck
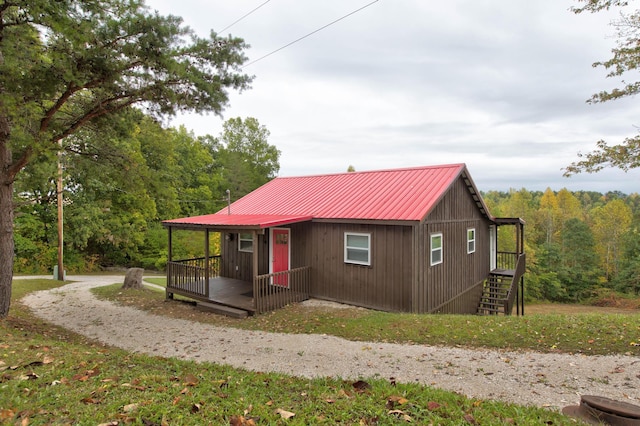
column 232, row 292
column 274, row 291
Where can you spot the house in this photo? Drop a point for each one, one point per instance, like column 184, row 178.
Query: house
column 404, row 240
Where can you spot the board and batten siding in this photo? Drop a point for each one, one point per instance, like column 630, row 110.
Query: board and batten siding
column 238, row 264
column 453, row 286
column 384, row 285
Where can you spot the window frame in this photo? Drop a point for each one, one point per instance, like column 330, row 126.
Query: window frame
column 471, row 242
column 347, row 248
column 248, row 249
column 433, row 249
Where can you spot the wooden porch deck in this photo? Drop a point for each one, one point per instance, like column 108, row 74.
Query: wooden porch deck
column 232, row 292
column 274, row 291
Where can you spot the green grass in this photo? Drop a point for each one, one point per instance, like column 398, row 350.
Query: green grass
column 49, row 376
column 585, row 333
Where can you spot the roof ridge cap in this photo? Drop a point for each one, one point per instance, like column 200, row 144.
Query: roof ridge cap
column 442, row 166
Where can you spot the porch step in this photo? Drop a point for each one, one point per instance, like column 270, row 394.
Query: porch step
column 222, row 310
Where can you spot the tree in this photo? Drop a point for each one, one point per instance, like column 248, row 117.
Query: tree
column 628, row 280
column 549, row 214
column 65, row 64
column 624, row 62
column 610, row 223
column 579, row 259
column 247, row 158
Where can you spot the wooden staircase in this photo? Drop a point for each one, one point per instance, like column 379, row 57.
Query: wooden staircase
column 495, row 294
column 500, row 291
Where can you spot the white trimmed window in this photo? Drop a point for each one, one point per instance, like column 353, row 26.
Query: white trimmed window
column 357, row 248
column 245, row 243
column 436, row 249
column 471, row 240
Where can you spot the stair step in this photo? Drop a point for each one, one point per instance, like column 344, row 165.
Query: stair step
column 222, row 310
column 489, row 310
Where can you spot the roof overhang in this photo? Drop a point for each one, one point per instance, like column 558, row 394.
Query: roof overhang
column 233, row 222
column 508, row 221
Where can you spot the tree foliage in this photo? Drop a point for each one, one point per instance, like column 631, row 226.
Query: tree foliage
column 623, row 65
column 113, row 212
column 66, row 65
column 576, row 242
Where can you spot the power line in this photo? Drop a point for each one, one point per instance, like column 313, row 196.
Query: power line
column 242, row 17
column 311, row 33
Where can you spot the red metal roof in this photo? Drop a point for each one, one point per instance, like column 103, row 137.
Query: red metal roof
column 237, row 220
column 397, row 194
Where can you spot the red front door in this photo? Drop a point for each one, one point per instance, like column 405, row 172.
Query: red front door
column 280, row 255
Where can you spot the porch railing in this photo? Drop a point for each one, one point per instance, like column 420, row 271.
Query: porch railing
column 187, row 277
column 507, row 260
column 274, row 291
column 513, row 289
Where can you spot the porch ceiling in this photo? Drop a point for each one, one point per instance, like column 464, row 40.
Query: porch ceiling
column 227, row 222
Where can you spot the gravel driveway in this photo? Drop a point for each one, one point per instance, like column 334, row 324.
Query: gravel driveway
column 528, row 378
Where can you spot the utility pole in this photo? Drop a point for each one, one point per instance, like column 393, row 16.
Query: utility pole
column 60, row 198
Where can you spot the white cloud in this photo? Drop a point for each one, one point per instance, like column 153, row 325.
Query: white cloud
column 498, row 85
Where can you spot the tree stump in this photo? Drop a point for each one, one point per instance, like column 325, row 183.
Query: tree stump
column 133, row 278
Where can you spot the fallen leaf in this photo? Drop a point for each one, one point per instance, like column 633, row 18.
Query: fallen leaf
column 190, row 380
column 398, row 399
column 431, row 405
column 30, row 376
column 6, row 414
column 237, row 421
column 284, row 413
column 113, row 423
column 344, row 393
column 470, row 419
column 361, row 386
column 130, row 408
column 195, row 408
column 401, row 414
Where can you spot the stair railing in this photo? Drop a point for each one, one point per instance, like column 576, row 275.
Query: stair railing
column 513, row 288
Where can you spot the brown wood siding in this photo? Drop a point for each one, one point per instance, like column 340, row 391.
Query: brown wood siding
column 238, row 264
column 384, row 285
column 450, row 286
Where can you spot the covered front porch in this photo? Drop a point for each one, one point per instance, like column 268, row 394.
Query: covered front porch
column 243, row 276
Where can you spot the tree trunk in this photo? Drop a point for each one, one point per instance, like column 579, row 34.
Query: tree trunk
column 6, row 219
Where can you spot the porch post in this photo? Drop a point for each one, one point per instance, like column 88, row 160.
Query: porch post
column 206, row 263
column 256, row 292
column 168, row 294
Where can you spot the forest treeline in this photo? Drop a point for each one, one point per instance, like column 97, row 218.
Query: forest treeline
column 579, row 244
column 140, row 174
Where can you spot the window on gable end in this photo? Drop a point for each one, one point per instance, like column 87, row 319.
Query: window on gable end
column 436, row 249
column 471, row 240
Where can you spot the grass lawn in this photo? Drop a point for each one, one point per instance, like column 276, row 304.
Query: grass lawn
column 49, row 376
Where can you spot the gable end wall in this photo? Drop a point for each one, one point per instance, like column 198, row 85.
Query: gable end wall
column 453, row 286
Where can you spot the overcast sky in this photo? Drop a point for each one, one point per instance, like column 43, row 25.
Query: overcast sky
column 498, row 85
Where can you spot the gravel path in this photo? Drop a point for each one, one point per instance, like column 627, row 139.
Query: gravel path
column 528, row 378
